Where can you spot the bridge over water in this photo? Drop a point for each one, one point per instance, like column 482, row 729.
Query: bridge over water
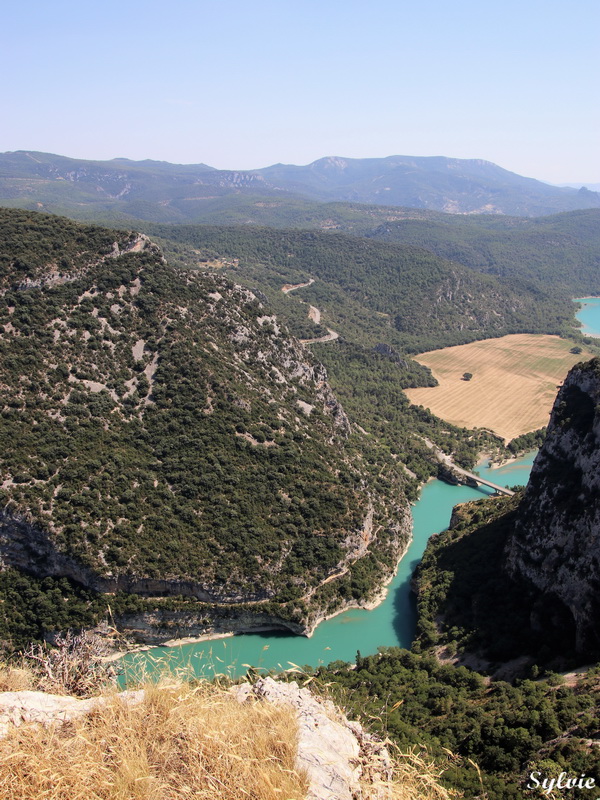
column 447, row 461
column 501, row 489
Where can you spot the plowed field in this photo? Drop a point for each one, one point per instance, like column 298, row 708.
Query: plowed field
column 514, row 384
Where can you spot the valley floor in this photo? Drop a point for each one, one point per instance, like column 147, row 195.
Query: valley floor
column 513, row 387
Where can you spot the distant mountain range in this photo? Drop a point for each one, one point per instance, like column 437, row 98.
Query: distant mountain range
column 158, row 191
column 593, row 187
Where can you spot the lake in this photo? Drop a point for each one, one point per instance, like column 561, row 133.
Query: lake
column 391, row 624
column 589, row 315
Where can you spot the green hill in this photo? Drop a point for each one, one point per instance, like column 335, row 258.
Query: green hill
column 372, row 292
column 173, row 441
column 558, row 254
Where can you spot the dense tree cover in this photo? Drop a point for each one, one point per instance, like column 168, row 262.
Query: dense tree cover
column 169, row 429
column 508, row 731
column 32, row 607
column 527, row 441
column 378, row 292
column 557, row 255
column 50, row 248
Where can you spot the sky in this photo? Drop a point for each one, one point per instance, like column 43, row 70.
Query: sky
column 242, row 84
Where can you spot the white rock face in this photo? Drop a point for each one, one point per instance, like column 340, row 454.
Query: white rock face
column 331, row 748
column 556, row 541
column 18, row 708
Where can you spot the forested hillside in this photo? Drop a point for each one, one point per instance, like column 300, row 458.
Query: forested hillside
column 373, row 292
column 176, row 443
column 559, row 255
column 173, row 439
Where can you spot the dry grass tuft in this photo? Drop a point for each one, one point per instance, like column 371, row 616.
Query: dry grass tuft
column 180, row 742
column 415, row 777
column 16, row 679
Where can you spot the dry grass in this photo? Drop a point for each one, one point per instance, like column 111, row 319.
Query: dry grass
column 415, row 777
column 513, row 387
column 180, row 742
column 16, row 679
column 183, row 742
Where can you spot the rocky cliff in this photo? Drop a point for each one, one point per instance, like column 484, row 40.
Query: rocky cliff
column 555, row 544
column 193, row 736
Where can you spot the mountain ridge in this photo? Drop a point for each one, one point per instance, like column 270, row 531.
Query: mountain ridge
column 463, row 186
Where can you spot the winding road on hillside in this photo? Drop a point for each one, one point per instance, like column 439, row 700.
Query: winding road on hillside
column 314, row 314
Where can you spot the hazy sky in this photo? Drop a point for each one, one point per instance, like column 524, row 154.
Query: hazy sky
column 241, row 84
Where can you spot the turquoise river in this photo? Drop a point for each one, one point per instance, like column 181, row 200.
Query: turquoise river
column 589, row 315
column 391, row 624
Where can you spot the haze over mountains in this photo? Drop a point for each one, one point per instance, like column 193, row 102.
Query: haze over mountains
column 163, row 192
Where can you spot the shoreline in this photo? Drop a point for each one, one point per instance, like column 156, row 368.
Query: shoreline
column 117, row 654
column 581, row 301
column 368, row 605
column 491, row 463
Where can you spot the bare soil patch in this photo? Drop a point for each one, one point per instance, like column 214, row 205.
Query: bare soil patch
column 514, row 384
column 314, row 314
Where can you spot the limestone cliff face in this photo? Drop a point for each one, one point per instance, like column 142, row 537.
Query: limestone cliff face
column 556, row 540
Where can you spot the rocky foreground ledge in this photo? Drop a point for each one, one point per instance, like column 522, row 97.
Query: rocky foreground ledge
column 338, row 756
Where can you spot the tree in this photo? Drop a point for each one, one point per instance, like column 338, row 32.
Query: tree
column 467, row 376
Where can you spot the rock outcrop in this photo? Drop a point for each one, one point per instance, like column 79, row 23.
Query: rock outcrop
column 556, row 541
column 27, row 707
column 339, row 757
column 336, row 753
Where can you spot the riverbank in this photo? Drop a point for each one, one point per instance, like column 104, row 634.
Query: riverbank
column 250, row 630
column 589, row 316
column 390, row 623
column 496, row 462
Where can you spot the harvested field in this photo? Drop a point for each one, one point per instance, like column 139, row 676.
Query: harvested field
column 514, row 384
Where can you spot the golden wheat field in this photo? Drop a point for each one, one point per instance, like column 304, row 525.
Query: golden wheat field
column 513, row 387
